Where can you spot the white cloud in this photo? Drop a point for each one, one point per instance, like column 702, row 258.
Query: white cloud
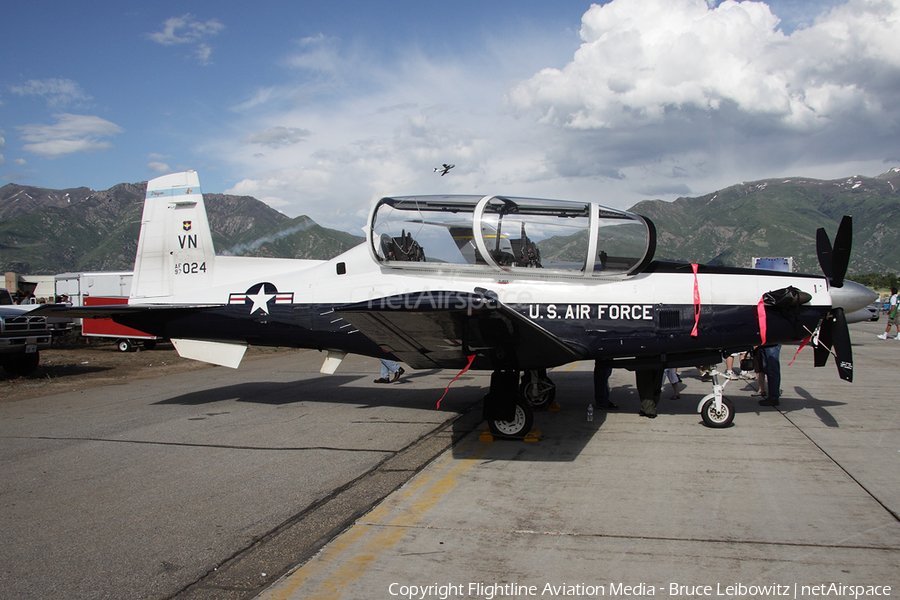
column 663, row 84
column 277, row 137
column 359, row 146
column 318, row 53
column 159, row 167
column 260, row 98
column 642, row 60
column 188, row 30
column 70, row 134
column 56, row 92
column 662, row 98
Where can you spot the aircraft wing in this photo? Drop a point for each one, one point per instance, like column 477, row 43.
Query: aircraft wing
column 428, row 330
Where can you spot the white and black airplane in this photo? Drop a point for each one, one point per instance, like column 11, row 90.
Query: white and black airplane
column 510, row 285
column 443, row 169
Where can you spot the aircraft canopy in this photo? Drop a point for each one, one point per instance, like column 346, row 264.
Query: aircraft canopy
column 526, row 236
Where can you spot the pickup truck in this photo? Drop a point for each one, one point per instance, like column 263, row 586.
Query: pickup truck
column 22, row 337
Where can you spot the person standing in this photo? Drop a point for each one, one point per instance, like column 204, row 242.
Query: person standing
column 772, row 367
column 601, row 387
column 892, row 317
column 649, row 386
column 390, row 371
column 674, row 379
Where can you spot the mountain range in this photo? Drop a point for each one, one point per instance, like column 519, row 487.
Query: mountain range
column 46, row 231
column 55, row 231
column 778, row 218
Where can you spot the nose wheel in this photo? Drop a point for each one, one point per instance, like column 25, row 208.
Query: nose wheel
column 716, row 410
column 717, row 417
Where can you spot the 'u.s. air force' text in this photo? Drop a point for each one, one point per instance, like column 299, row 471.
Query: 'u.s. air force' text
column 614, row 312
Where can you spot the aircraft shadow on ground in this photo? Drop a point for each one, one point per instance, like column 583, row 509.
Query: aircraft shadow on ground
column 335, row 389
column 807, row 400
column 566, row 433
column 464, row 397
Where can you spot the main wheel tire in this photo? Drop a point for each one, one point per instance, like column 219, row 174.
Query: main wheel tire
column 520, row 424
column 124, row 345
column 717, row 419
column 540, row 393
column 21, row 365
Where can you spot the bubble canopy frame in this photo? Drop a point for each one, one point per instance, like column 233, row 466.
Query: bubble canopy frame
column 526, row 237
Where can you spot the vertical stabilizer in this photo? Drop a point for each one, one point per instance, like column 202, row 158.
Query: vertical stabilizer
column 175, row 253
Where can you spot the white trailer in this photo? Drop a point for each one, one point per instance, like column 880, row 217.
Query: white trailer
column 103, row 288
column 78, row 286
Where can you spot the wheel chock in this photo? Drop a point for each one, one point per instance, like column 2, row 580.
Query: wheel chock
column 534, row 435
column 554, row 407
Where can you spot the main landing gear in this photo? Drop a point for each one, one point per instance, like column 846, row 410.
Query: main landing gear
column 537, row 388
column 509, row 406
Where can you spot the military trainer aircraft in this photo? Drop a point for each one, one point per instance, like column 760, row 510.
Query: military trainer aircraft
column 499, row 283
column 443, row 169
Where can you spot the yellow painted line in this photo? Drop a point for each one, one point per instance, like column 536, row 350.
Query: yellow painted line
column 430, row 489
column 567, row 368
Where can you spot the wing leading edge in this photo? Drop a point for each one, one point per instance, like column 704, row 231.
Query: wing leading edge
column 429, row 330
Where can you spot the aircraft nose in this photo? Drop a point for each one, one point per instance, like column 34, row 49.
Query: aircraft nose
column 852, row 296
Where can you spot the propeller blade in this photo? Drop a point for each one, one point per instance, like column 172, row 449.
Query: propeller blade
column 843, row 353
column 824, row 342
column 823, row 251
column 840, row 256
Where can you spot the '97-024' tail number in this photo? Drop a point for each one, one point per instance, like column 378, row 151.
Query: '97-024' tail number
column 190, row 268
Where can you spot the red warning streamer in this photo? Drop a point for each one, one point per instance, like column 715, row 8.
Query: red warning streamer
column 802, row 345
column 466, row 368
column 694, row 333
column 761, row 315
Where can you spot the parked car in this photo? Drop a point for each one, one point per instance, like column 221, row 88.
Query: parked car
column 22, row 337
column 56, row 325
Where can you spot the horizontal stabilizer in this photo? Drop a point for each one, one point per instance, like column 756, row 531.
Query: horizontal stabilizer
column 160, row 311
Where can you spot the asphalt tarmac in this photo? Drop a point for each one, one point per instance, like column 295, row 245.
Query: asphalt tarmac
column 801, row 501
column 210, row 483
column 273, row 481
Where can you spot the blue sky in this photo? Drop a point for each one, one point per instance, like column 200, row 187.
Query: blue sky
column 319, row 108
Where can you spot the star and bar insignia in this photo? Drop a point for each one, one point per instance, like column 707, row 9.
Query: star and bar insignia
column 261, row 297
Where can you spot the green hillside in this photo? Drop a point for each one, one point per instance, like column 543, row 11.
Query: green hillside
column 779, row 218
column 53, row 231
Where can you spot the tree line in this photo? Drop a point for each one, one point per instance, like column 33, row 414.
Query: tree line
column 876, row 281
